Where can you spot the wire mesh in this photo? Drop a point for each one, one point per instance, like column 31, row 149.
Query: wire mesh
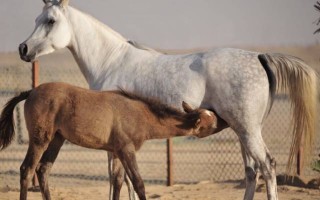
column 215, row 158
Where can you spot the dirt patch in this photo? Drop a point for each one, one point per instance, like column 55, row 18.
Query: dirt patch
column 204, row 190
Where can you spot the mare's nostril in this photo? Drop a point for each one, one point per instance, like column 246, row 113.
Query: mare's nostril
column 23, row 49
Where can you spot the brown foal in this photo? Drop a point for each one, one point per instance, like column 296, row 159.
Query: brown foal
column 115, row 121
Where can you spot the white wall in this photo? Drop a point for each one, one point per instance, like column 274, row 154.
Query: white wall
column 179, row 24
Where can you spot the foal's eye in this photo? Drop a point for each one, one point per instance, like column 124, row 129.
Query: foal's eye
column 51, row 22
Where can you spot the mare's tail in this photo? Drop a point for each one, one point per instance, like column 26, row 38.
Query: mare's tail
column 7, row 119
column 292, row 75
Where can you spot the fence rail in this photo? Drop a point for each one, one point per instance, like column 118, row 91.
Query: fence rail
column 216, row 158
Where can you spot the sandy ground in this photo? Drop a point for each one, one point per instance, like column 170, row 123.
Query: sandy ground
column 202, row 191
column 215, row 157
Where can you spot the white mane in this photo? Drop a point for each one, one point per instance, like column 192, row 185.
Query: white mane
column 101, row 25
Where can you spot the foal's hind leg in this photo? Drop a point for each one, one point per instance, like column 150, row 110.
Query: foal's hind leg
column 256, row 148
column 29, row 165
column 46, row 162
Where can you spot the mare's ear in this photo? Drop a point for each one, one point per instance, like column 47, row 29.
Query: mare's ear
column 64, row 3
column 317, row 6
column 186, row 107
column 52, row 2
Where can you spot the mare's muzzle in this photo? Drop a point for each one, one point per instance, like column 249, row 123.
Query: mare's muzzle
column 23, row 51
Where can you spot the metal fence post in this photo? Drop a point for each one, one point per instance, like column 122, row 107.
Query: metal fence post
column 169, row 163
column 35, row 83
column 35, row 74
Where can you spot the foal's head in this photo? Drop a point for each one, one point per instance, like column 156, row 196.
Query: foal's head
column 205, row 122
column 52, row 31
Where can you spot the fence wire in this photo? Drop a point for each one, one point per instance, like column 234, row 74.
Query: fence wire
column 215, row 158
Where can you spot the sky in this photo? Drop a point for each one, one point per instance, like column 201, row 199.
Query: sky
column 181, row 24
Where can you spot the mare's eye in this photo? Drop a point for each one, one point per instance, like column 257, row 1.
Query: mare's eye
column 51, row 22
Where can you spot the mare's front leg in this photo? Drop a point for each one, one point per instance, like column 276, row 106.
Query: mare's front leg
column 46, row 163
column 110, row 166
column 113, row 175
column 132, row 194
column 129, row 162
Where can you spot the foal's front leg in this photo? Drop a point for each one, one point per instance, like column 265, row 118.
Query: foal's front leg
column 129, row 162
column 116, row 178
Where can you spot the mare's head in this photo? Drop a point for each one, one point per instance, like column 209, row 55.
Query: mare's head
column 317, row 6
column 52, row 31
column 205, row 123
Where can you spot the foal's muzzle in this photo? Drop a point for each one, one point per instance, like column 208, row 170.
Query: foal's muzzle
column 23, row 51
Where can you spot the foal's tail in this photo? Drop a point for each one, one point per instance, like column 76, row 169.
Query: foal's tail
column 292, row 75
column 7, row 119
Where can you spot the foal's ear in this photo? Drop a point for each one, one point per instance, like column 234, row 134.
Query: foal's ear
column 186, row 107
column 197, row 124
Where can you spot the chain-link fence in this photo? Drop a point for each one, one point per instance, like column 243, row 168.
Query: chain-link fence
column 216, row 158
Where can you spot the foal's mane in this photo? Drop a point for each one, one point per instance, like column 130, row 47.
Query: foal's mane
column 160, row 109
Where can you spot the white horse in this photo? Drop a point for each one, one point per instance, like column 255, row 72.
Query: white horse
column 238, row 85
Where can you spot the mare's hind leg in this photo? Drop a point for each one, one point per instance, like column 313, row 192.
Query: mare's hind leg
column 129, row 162
column 46, row 162
column 256, row 148
column 29, row 165
column 251, row 170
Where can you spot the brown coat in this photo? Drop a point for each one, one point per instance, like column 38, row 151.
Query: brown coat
column 115, row 121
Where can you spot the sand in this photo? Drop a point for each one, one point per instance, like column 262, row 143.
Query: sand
column 203, row 191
